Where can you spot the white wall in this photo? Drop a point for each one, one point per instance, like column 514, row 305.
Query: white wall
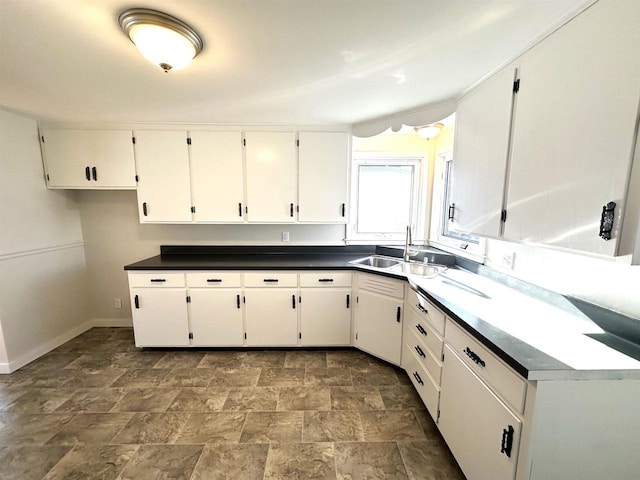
column 114, row 238
column 42, row 265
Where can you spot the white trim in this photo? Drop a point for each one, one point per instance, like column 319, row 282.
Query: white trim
column 39, row 251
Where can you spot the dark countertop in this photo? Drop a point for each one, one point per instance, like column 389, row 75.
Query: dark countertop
column 538, row 340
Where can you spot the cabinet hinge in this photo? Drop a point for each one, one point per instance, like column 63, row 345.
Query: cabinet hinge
column 298, row 143
column 516, row 85
column 137, row 179
column 357, row 299
column 300, row 335
column 190, row 335
column 244, row 300
column 244, row 142
column 246, row 210
column 193, row 209
column 245, row 335
column 443, row 358
column 47, row 176
column 188, row 299
column 503, row 216
column 133, row 140
column 356, row 335
column 438, row 415
column 42, row 138
column 188, row 141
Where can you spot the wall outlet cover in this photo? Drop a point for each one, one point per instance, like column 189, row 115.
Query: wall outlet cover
column 285, row 236
column 508, row 259
column 118, row 303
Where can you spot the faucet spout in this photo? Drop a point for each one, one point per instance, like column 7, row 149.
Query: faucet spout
column 408, row 253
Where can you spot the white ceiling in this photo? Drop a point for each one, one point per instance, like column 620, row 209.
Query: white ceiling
column 264, row 61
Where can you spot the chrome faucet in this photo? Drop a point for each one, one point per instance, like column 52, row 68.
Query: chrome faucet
column 408, row 253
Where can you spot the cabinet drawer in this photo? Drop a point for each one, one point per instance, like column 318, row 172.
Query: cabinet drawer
column 424, row 331
column 325, row 279
column 424, row 355
column 156, row 279
column 381, row 285
column 427, row 310
column 425, row 386
column 214, row 279
column 270, row 279
column 508, row 384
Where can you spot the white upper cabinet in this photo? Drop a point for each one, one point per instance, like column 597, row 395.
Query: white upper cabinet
column 323, row 159
column 217, row 190
column 89, row 158
column 483, row 122
column 272, row 177
column 162, row 160
column 574, row 128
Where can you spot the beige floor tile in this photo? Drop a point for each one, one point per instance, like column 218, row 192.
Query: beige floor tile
column 29, row 463
column 199, row 400
column 305, row 359
column 141, row 378
column 180, row 359
column 300, row 461
column 281, row 377
column 369, row 461
column 188, row 377
column 429, row 460
column 356, row 398
column 167, row 462
column 391, row 425
column 145, row 428
column 244, row 399
column 231, row 462
column 92, row 400
column 401, row 397
column 30, row 429
column 235, row 377
column 223, row 359
column 272, row 427
column 94, row 378
column 304, row 398
column 327, row 377
column 265, row 358
column 91, row 428
column 146, row 399
column 38, row 400
column 332, row 426
column 88, row 462
column 216, row 427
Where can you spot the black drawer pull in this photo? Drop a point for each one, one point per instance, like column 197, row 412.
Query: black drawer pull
column 293, row 301
column 158, row 280
column 94, row 172
column 420, row 352
column 422, row 309
column 325, row 279
column 421, row 330
column 214, row 280
column 238, row 300
column 507, row 441
column 398, row 314
column 474, row 356
column 343, row 209
column 418, row 379
column 452, row 209
column 239, row 209
column 144, row 209
column 87, row 173
column 348, row 300
column 136, row 301
column 271, row 280
column 292, row 209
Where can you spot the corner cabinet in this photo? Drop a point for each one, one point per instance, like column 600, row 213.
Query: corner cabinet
column 88, row 159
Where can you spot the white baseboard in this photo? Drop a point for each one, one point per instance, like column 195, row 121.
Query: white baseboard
column 112, row 322
column 46, row 347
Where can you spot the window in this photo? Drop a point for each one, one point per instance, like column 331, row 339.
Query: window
column 386, row 197
column 443, row 232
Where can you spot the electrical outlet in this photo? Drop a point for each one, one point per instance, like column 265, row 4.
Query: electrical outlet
column 508, row 259
column 285, row 236
column 118, row 303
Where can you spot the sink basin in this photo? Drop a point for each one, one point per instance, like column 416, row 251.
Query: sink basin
column 424, row 270
column 377, row 261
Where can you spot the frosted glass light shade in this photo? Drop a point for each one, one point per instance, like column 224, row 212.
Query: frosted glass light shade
column 162, row 39
column 428, row 131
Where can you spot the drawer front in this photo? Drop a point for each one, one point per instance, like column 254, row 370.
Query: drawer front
column 381, row 285
column 270, row 279
column 424, row 331
column 425, row 386
column 425, row 356
column 325, row 279
column 427, row 310
column 214, row 279
column 508, row 384
column 156, row 279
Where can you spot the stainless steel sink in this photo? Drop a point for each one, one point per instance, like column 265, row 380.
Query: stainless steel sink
column 377, row 261
column 422, row 269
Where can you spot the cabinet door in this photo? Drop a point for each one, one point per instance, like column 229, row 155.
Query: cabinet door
column 271, row 316
column 162, row 160
column 160, row 317
column 272, row 177
column 217, row 176
column 574, row 129
column 89, row 158
column 323, row 159
column 325, row 316
column 476, row 424
column 215, row 316
column 379, row 326
column 483, row 122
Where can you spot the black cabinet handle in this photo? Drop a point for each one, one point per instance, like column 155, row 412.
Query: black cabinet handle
column 292, row 209
column 293, row 301
column 238, row 300
column 136, row 301
column 421, row 308
column 325, row 280
column 87, row 173
column 214, row 280
column 94, row 172
column 507, row 441
column 474, row 356
column 158, row 280
column 606, row 220
column 343, row 209
column 421, row 330
column 144, row 208
column 271, row 280
column 348, row 301
column 452, row 209
column 239, row 209
column 417, row 377
column 398, row 314
column 420, row 352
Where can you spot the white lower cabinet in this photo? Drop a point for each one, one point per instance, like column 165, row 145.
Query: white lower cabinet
column 215, row 317
column 481, row 431
column 160, row 317
column 325, row 316
column 271, row 316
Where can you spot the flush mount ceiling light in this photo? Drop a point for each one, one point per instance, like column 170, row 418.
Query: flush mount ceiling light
column 429, row 131
column 162, row 39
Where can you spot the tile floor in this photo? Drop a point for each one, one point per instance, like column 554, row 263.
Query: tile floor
column 97, row 407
